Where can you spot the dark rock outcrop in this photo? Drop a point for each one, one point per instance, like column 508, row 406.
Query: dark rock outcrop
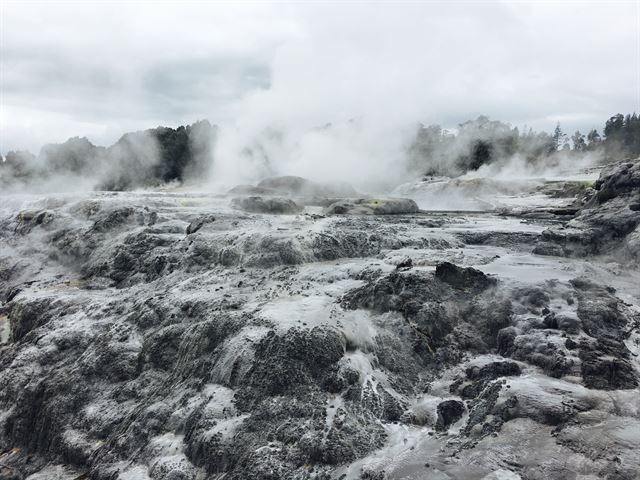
column 271, row 205
column 449, row 412
column 198, row 223
column 463, row 278
column 373, row 206
column 608, row 222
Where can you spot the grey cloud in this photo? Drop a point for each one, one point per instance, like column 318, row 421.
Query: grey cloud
column 180, row 87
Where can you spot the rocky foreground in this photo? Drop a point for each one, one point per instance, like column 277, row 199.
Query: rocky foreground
column 173, row 336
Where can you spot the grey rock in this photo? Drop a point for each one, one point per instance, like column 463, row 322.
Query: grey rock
column 373, row 206
column 449, row 412
column 605, row 221
column 198, row 223
column 270, row 205
column 463, row 278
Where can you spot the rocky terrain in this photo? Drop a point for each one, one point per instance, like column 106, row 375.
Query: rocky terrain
column 295, row 331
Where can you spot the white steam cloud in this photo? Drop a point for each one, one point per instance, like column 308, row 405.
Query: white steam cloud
column 327, row 91
column 346, row 94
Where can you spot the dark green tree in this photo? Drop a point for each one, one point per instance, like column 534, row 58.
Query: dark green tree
column 559, row 138
column 593, row 138
column 579, row 144
column 19, row 164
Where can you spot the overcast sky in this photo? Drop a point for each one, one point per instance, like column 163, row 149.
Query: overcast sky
column 99, row 69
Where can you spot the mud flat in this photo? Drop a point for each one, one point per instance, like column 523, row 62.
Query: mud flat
column 173, row 336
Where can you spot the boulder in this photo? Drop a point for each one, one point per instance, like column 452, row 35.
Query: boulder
column 198, row 223
column 606, row 223
column 617, row 180
column 272, row 205
column 480, row 377
column 449, row 412
column 373, row 206
column 464, row 278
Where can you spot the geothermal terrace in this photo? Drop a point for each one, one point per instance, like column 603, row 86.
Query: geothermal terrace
column 278, row 332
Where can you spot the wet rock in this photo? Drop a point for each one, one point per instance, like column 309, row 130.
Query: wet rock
column 124, row 265
column 534, row 348
column 484, row 419
column 398, row 291
column 26, row 316
column 271, row 205
column 416, row 297
column 606, row 365
column 43, row 409
column 350, row 439
column 369, row 474
column 449, row 412
column 480, row 377
column 287, row 362
column 371, row 206
column 464, row 278
column 113, row 356
column 605, row 221
column 506, row 340
column 161, row 348
column 568, row 322
column 601, row 315
column 376, row 400
column 405, row 264
column 269, row 251
column 345, row 244
column 173, row 468
column 549, row 249
column 607, row 374
column 443, row 321
column 489, row 318
column 493, row 370
column 187, row 372
column 618, row 180
column 534, row 297
column 339, row 380
column 550, row 321
column 110, row 219
column 498, row 239
column 570, row 344
column 198, row 223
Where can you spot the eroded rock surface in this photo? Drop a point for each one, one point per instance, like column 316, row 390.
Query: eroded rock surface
column 608, row 222
column 169, row 336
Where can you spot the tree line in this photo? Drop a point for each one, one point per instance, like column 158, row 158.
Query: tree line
column 435, row 150
column 138, row 159
column 157, row 156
